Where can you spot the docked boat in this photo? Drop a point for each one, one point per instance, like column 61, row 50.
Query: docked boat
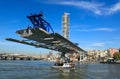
column 111, row 61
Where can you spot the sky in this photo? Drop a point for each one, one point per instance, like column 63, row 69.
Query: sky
column 94, row 24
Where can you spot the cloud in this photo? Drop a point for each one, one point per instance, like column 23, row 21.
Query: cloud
column 97, row 29
column 99, row 44
column 104, row 29
column 94, row 7
column 114, row 8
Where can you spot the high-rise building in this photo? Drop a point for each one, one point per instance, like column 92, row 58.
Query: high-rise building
column 65, row 25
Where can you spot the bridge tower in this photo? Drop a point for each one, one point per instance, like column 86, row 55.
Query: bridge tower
column 65, row 25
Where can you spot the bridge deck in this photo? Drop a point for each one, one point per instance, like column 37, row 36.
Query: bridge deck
column 40, row 38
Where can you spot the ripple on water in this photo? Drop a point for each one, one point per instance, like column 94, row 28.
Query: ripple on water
column 42, row 70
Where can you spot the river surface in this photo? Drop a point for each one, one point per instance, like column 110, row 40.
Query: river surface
column 42, row 70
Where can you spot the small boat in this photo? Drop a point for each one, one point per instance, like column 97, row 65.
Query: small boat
column 110, row 61
column 57, row 65
column 64, row 66
column 68, row 65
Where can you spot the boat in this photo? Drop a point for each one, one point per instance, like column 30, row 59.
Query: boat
column 111, row 61
column 64, row 63
column 64, row 66
column 68, row 66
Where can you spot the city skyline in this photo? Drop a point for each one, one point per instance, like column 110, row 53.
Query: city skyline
column 94, row 24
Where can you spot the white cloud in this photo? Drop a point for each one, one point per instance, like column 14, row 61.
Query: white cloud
column 103, row 29
column 96, row 29
column 95, row 7
column 115, row 8
column 99, row 44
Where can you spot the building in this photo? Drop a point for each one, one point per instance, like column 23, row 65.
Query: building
column 112, row 51
column 65, row 25
column 97, row 55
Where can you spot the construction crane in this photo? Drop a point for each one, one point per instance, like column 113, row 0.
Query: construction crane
column 38, row 22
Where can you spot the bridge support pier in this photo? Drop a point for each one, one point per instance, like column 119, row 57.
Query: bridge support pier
column 82, row 56
column 62, row 54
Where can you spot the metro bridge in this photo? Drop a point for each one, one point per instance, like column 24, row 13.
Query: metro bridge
column 41, row 35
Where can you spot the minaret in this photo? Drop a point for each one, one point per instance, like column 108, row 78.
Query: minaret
column 65, row 25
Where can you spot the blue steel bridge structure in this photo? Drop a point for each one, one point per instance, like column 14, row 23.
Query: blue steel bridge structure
column 42, row 35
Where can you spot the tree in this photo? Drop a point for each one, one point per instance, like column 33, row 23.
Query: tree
column 117, row 55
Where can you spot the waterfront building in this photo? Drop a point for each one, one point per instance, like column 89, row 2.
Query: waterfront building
column 97, row 55
column 112, row 51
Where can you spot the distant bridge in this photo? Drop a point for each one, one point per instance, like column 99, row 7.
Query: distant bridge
column 10, row 56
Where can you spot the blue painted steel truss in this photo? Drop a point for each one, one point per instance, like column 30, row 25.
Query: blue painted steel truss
column 38, row 22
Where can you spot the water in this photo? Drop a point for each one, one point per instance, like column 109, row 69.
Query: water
column 42, row 70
